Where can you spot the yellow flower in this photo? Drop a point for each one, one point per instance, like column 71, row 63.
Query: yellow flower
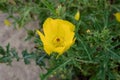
column 117, row 16
column 88, row 31
column 7, row 22
column 77, row 16
column 58, row 35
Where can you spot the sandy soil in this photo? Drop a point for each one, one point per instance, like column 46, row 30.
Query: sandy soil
column 18, row 70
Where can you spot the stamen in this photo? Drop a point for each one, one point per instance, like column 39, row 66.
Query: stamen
column 58, row 40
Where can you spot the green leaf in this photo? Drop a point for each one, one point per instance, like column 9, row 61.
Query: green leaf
column 31, row 34
column 27, row 56
column 45, row 76
column 50, row 7
column 85, row 48
column 114, row 55
column 2, row 51
column 6, row 59
column 8, row 49
column 15, row 54
column 40, row 60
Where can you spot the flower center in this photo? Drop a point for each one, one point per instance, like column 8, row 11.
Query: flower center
column 58, row 39
column 58, row 42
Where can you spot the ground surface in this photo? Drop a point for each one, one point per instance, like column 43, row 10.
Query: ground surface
column 18, row 70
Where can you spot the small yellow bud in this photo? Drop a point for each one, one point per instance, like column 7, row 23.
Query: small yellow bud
column 58, row 10
column 117, row 16
column 77, row 16
column 7, row 22
column 88, row 31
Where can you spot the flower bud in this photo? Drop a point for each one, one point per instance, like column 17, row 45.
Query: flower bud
column 117, row 16
column 7, row 22
column 77, row 16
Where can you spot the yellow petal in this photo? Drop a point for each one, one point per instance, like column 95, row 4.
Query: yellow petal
column 66, row 24
column 42, row 37
column 117, row 16
column 77, row 16
column 65, row 27
column 50, row 28
column 7, row 22
column 48, row 48
column 47, row 45
column 68, row 29
column 59, row 50
column 69, row 44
